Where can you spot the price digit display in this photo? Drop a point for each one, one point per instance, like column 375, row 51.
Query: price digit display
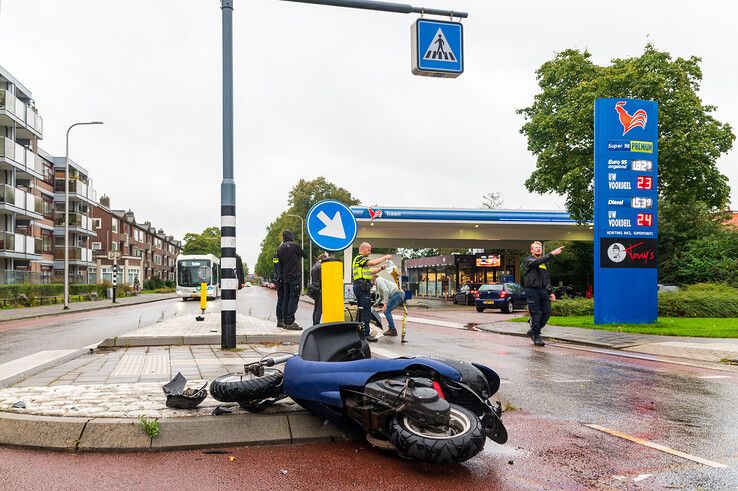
column 644, row 182
column 644, row 219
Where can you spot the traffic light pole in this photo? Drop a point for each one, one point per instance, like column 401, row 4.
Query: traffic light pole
column 229, row 281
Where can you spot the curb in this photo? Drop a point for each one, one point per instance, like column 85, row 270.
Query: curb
column 141, row 341
column 30, row 372
column 125, row 435
column 593, row 344
column 90, row 309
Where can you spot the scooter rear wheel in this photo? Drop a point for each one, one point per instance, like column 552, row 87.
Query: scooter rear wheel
column 247, row 387
column 461, row 440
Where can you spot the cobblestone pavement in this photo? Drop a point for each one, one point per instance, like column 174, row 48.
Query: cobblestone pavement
column 715, row 351
column 125, row 383
column 185, row 326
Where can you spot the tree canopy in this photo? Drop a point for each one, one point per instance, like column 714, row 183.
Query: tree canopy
column 207, row 242
column 560, row 128
column 300, row 199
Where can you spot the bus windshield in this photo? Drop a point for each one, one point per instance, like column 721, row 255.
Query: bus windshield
column 187, row 271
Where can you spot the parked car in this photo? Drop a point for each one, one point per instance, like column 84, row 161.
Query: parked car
column 466, row 294
column 504, row 296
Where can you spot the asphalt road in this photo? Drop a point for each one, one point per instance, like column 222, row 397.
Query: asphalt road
column 550, row 395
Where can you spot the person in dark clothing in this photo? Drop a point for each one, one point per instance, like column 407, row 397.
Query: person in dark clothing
column 289, row 255
column 278, row 286
column 314, row 290
column 538, row 290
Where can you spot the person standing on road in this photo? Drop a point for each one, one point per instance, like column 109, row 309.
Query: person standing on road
column 362, row 270
column 390, row 296
column 314, row 288
column 278, row 286
column 538, row 289
column 289, row 255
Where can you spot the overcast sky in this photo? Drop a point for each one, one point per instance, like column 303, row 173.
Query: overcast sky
column 322, row 91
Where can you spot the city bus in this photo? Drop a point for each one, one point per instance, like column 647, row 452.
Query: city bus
column 188, row 282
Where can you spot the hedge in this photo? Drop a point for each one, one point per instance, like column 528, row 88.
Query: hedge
column 30, row 294
column 700, row 300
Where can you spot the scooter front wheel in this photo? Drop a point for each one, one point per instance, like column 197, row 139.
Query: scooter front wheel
column 461, row 440
column 247, row 387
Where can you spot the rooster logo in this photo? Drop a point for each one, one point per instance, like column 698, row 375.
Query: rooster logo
column 638, row 118
column 374, row 214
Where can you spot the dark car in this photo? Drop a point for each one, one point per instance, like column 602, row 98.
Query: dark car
column 467, row 294
column 504, row 296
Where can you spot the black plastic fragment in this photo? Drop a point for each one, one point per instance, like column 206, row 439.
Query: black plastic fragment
column 180, row 398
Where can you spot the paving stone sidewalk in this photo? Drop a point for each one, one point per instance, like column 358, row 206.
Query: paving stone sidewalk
column 56, row 309
column 127, row 382
column 186, row 330
column 712, row 350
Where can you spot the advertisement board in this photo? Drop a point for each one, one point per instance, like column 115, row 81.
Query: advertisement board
column 626, row 211
column 488, row 260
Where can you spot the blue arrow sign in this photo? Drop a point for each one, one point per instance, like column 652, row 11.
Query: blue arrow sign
column 331, row 225
column 438, row 48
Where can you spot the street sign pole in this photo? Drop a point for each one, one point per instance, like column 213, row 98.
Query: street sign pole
column 229, row 281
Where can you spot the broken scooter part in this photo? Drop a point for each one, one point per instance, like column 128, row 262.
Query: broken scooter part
column 179, row 397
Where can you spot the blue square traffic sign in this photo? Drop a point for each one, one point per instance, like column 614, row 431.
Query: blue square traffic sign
column 438, row 48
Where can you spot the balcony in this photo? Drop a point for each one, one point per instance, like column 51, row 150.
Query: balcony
column 16, row 156
column 77, row 222
column 76, row 186
column 19, row 245
column 19, row 202
column 80, row 254
column 14, row 110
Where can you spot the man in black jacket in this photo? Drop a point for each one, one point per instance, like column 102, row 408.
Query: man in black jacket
column 289, row 255
column 538, row 290
column 315, row 290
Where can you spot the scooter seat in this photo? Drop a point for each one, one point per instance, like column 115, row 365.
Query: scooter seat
column 333, row 341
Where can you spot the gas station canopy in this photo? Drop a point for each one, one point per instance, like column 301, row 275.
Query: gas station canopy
column 473, row 228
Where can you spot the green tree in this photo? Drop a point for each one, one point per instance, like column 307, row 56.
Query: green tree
column 560, row 128
column 207, row 242
column 709, row 258
column 301, row 198
column 492, row 201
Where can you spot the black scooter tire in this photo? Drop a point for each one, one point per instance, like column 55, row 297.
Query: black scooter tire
column 244, row 388
column 422, row 444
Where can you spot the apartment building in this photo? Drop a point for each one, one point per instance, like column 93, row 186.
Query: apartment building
column 32, row 190
column 144, row 252
column 23, row 177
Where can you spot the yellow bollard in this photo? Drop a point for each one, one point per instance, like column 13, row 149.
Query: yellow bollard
column 331, row 285
column 203, row 296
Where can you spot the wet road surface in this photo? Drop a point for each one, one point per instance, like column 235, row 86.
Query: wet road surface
column 550, row 395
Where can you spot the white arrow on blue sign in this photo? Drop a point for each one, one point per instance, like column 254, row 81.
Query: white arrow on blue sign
column 438, row 48
column 331, row 225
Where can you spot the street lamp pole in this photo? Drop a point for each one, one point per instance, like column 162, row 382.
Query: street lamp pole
column 302, row 244
column 66, row 212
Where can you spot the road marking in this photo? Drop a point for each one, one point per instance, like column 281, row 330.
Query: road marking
column 432, row 322
column 576, row 381
column 714, row 376
column 656, row 446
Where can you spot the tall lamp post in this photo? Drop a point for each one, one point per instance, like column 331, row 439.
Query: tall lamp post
column 66, row 212
column 302, row 244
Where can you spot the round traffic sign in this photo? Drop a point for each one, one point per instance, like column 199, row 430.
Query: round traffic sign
column 331, row 225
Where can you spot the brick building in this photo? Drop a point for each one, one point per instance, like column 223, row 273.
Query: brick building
column 144, row 252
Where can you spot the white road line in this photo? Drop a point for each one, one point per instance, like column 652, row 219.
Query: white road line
column 714, row 376
column 431, row 322
column 656, row 446
column 576, row 381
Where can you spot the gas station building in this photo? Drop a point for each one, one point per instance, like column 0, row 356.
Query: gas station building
column 494, row 231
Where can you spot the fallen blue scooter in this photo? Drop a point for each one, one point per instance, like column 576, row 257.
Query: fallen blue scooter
column 425, row 409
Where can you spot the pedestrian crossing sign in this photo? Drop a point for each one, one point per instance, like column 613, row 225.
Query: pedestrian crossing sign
column 437, row 48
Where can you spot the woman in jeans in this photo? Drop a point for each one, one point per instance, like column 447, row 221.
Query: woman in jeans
column 391, row 296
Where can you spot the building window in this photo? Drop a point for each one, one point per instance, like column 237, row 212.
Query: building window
column 114, row 226
column 96, row 223
column 133, row 274
column 96, row 246
column 107, row 275
column 114, row 246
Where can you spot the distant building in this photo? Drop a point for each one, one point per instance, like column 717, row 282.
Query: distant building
column 32, row 211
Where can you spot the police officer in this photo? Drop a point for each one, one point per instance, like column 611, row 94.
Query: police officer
column 538, row 290
column 280, row 294
column 361, row 273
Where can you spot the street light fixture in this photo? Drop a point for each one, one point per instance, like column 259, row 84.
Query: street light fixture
column 66, row 212
column 302, row 244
